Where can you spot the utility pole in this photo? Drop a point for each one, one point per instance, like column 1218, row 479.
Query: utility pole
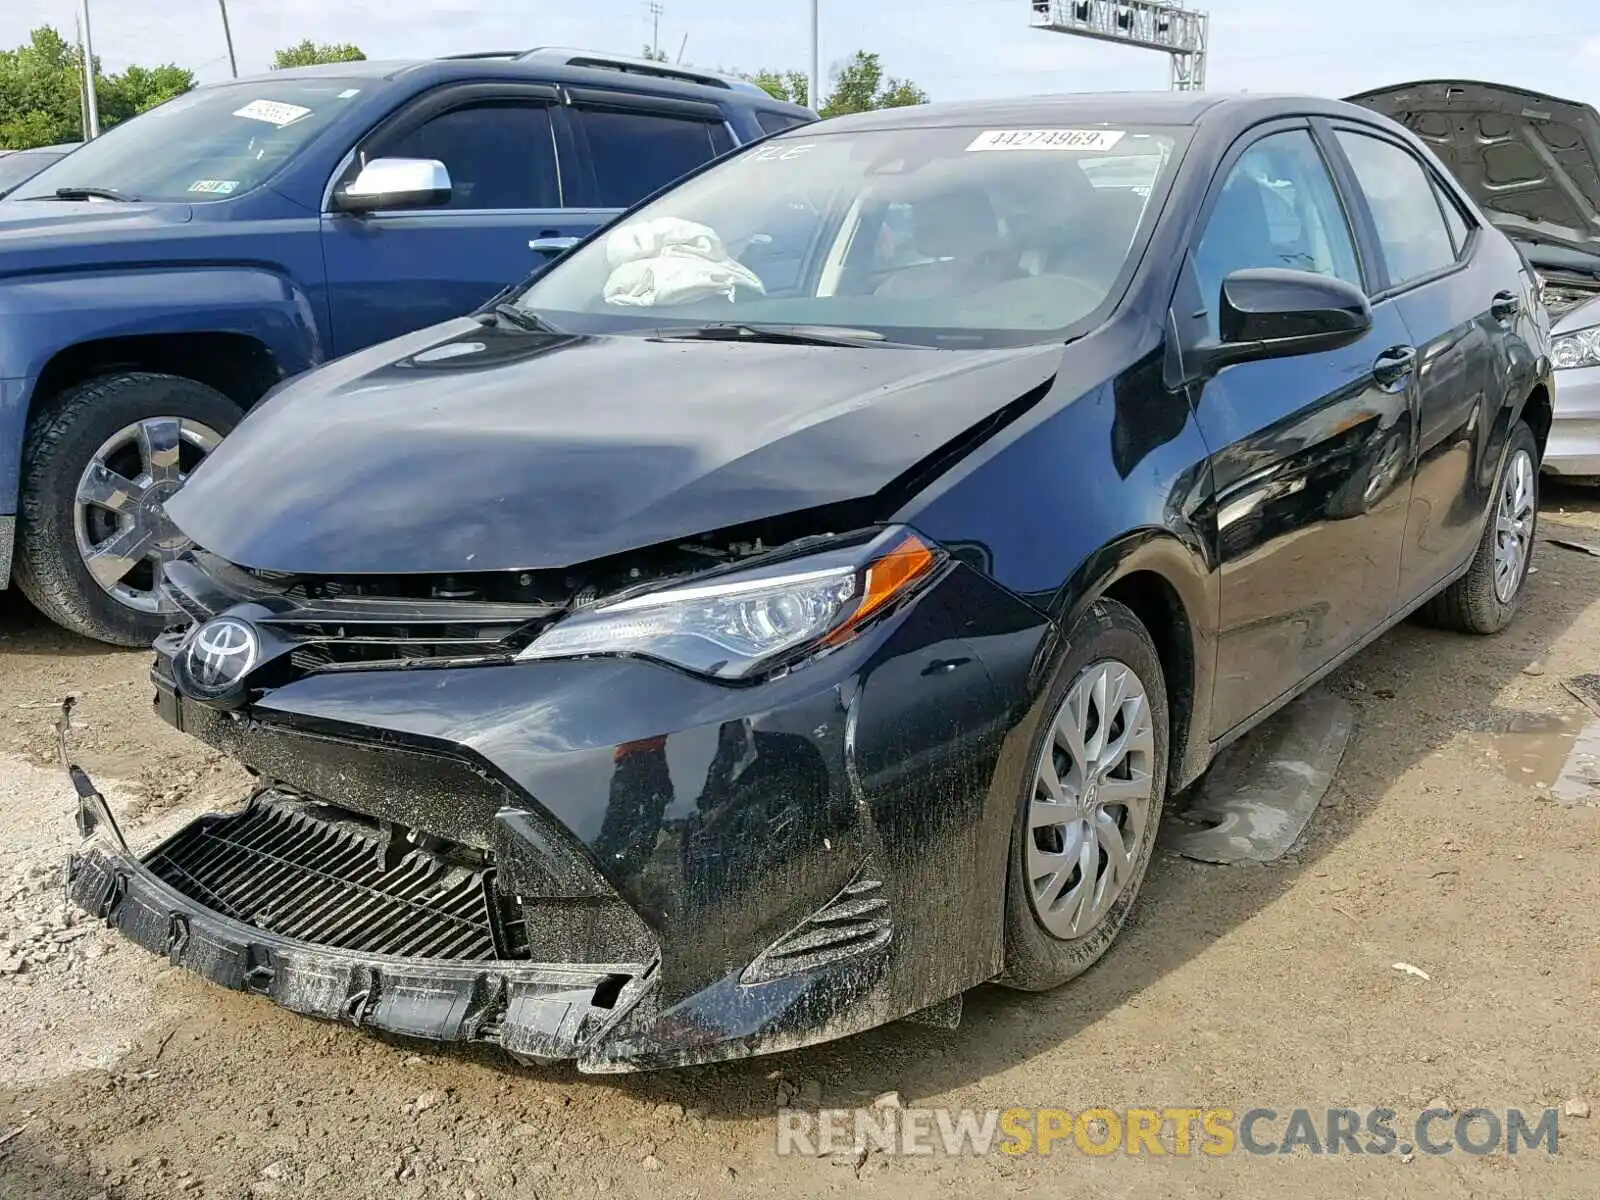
column 655, row 36
column 815, row 95
column 83, row 93
column 233, row 63
column 91, row 101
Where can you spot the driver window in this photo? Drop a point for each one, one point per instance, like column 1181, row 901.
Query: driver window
column 1277, row 208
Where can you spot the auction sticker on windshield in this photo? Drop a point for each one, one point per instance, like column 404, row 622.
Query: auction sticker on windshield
column 1046, row 139
column 220, row 187
column 273, row 112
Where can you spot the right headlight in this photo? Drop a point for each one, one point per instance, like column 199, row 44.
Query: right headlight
column 1580, row 348
column 747, row 622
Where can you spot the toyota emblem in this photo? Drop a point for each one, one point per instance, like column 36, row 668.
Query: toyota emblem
column 220, row 654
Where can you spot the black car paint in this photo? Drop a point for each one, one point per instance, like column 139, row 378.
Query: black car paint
column 1260, row 520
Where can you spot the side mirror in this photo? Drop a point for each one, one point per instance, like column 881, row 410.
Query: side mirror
column 1271, row 313
column 393, row 183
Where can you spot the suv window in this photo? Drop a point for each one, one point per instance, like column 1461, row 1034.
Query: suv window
column 499, row 154
column 1405, row 208
column 776, row 122
column 635, row 153
column 1278, row 208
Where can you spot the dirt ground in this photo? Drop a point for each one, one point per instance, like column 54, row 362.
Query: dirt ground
column 1444, row 843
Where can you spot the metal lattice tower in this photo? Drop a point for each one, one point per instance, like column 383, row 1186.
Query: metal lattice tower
column 1176, row 31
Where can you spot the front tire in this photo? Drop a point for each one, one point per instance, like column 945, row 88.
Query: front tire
column 100, row 462
column 1085, row 827
column 1485, row 599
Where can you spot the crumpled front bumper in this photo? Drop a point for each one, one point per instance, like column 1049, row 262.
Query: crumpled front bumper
column 537, row 1011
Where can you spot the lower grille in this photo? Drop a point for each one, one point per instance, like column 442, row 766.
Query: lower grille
column 337, row 883
column 855, row 922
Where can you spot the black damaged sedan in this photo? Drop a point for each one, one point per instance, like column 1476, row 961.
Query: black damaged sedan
column 795, row 606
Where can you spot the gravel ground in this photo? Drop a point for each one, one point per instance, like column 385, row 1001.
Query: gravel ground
column 1444, row 843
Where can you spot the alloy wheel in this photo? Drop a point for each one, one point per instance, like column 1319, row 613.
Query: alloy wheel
column 1514, row 517
column 124, row 535
column 1089, row 818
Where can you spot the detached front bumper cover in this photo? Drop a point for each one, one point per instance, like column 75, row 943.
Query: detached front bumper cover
column 536, row 1011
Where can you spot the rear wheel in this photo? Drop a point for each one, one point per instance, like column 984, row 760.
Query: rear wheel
column 1086, row 827
column 1484, row 600
column 101, row 461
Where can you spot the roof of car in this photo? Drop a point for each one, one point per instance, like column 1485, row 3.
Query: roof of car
column 551, row 65
column 1089, row 108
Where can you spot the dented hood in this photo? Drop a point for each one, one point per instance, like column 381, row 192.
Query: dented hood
column 1530, row 161
column 473, row 448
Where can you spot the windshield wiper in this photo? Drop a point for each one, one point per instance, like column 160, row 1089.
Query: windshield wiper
column 510, row 314
column 791, row 335
column 93, row 193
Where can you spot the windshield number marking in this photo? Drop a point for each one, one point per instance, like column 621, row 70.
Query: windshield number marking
column 781, row 153
column 1045, row 139
column 219, row 187
column 273, row 112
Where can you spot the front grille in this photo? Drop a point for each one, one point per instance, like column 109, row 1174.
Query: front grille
column 338, row 883
column 327, row 648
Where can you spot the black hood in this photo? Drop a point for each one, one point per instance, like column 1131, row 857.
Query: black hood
column 471, row 448
column 1530, row 161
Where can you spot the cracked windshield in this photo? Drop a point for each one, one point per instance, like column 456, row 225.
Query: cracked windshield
column 955, row 236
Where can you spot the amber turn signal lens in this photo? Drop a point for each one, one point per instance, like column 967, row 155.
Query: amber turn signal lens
column 887, row 579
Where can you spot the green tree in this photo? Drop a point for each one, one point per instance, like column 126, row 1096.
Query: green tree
column 859, row 85
column 41, row 85
column 308, row 54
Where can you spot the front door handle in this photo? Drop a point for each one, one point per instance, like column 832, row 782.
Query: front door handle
column 552, row 245
column 1505, row 305
column 1394, row 366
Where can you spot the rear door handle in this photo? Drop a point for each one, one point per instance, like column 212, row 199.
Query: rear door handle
column 1394, row 366
column 552, row 245
column 1505, row 305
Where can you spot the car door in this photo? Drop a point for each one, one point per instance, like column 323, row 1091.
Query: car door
column 505, row 147
column 1310, row 455
column 1456, row 307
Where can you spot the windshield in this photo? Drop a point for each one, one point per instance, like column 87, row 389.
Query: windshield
column 15, row 168
column 944, row 237
column 204, row 145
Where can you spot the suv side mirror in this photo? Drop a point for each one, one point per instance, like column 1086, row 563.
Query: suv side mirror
column 391, row 183
column 1272, row 313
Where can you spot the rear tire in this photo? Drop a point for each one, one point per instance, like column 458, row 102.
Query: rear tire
column 1114, row 805
column 1485, row 599
column 64, row 439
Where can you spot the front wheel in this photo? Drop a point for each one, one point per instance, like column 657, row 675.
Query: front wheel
column 1086, row 825
column 101, row 461
column 1484, row 600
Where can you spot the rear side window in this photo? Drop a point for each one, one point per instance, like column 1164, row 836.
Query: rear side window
column 1457, row 224
column 499, row 155
column 776, row 122
column 1405, row 208
column 635, row 153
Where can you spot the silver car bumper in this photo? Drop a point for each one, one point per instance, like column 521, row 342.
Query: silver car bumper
column 1574, row 447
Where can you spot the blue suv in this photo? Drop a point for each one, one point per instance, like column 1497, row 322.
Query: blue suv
column 157, row 282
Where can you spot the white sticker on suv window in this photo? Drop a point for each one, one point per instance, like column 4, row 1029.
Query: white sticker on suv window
column 273, row 112
column 781, row 152
column 220, row 187
column 1046, row 139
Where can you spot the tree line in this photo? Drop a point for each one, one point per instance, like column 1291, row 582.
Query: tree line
column 41, row 86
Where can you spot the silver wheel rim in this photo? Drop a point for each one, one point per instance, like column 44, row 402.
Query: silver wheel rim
column 1089, row 816
column 1513, row 525
column 119, row 517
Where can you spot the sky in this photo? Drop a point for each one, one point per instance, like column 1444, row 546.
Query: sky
column 954, row 49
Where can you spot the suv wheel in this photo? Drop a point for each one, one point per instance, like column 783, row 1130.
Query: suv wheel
column 101, row 461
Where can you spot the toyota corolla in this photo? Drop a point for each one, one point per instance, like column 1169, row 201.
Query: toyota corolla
column 795, row 606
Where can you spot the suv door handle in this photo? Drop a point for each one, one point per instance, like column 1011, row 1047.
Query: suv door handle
column 552, row 245
column 1394, row 366
column 1505, row 305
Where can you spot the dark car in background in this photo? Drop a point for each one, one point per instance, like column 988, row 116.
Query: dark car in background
column 19, row 166
column 161, row 279
column 795, row 606
column 1532, row 163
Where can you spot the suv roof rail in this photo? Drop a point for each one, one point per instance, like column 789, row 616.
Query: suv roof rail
column 569, row 57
